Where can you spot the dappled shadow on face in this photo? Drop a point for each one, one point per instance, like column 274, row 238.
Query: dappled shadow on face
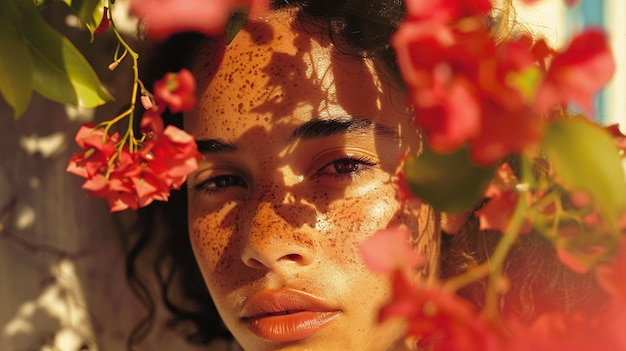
column 272, row 79
column 293, row 79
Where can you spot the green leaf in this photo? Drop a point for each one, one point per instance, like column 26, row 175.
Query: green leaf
column 16, row 69
column 448, row 182
column 89, row 12
column 234, row 25
column 585, row 158
column 61, row 73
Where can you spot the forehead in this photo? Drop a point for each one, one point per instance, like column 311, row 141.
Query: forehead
column 281, row 72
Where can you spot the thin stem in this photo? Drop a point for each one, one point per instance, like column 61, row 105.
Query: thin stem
column 116, row 119
column 493, row 267
column 128, row 138
column 509, row 237
column 496, row 261
column 472, row 275
column 133, row 97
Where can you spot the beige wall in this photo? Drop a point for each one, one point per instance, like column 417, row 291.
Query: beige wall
column 62, row 284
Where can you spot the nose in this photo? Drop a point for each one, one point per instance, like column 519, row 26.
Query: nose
column 272, row 241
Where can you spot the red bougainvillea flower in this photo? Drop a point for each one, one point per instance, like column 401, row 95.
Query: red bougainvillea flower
column 134, row 179
column 459, row 79
column 166, row 17
column 503, row 197
column 176, row 91
column 469, row 88
column 132, row 176
column 449, row 111
column 98, row 148
column 447, row 9
column 579, row 72
column 503, row 133
column 112, row 184
column 389, row 250
column 440, row 320
column 115, row 187
column 170, row 155
column 151, row 122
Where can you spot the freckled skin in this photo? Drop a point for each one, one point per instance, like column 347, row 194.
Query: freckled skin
column 291, row 223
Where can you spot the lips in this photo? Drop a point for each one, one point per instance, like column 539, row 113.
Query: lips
column 286, row 315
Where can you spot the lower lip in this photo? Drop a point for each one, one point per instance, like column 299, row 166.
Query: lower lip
column 291, row 327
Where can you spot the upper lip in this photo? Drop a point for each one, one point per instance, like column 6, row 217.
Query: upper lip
column 267, row 303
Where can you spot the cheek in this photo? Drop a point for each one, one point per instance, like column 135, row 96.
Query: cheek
column 349, row 222
column 213, row 243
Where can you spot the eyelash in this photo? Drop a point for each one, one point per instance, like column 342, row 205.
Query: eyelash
column 210, row 187
column 359, row 160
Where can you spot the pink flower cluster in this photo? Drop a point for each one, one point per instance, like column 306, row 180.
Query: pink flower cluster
column 467, row 88
column 133, row 177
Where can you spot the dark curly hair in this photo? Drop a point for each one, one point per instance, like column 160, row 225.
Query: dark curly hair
column 360, row 28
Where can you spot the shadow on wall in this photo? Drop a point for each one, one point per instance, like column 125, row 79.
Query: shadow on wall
column 57, row 319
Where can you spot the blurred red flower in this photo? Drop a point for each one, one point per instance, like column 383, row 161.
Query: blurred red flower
column 467, row 88
column 389, row 250
column 166, row 17
column 176, row 91
column 439, row 320
column 503, row 197
column 577, row 73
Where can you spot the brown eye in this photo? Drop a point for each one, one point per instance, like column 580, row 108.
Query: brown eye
column 346, row 165
column 225, row 181
column 219, row 183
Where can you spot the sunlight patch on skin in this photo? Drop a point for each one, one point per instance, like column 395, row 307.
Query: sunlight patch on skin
column 378, row 84
column 291, row 178
column 321, row 223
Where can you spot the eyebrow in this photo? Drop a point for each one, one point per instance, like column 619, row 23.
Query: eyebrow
column 314, row 129
column 322, row 128
column 207, row 146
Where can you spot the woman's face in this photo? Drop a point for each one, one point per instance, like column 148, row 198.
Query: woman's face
column 299, row 146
